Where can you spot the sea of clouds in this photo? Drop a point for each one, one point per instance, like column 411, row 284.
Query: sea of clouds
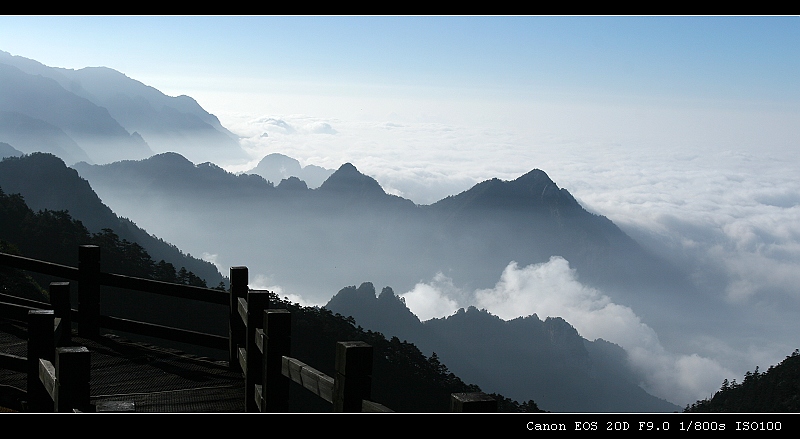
column 712, row 190
column 552, row 289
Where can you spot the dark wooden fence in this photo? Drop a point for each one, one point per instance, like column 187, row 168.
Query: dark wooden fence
column 258, row 341
column 90, row 279
column 58, row 374
column 268, row 369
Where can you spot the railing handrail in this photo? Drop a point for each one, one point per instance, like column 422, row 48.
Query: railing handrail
column 114, row 280
column 30, row 303
column 37, row 266
column 118, row 280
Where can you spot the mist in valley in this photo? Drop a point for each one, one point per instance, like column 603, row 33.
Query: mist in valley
column 721, row 219
column 673, row 319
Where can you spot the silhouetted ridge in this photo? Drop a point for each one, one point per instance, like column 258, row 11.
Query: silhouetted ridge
column 537, row 186
column 535, row 177
column 385, row 313
column 526, row 357
column 292, row 183
column 360, row 296
column 169, row 161
column 56, row 187
column 532, row 190
column 348, row 179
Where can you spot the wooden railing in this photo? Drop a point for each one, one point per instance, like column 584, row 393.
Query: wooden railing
column 90, row 279
column 58, row 374
column 258, row 342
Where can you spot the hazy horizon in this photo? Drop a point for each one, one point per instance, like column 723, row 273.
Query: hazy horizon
column 682, row 130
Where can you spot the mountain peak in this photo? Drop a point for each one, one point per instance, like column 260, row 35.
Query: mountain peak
column 292, row 183
column 277, row 158
column 386, row 313
column 348, row 167
column 531, row 190
column 348, row 179
column 533, row 177
column 276, row 167
column 538, row 185
column 170, row 159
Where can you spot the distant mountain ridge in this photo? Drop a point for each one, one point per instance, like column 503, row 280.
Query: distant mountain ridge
column 106, row 115
column 471, row 236
column 42, row 99
column 529, row 219
column 348, row 179
column 525, row 358
column 34, row 134
column 277, row 167
column 7, row 150
column 530, row 190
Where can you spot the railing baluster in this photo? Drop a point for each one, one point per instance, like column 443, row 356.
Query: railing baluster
column 277, row 343
column 40, row 345
column 89, row 290
column 257, row 302
column 72, row 379
column 353, row 380
column 236, row 329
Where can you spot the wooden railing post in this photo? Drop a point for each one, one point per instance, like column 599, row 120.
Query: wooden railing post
column 257, row 302
column 277, row 343
column 72, row 379
column 236, row 331
column 59, row 299
column 353, row 380
column 40, row 345
column 89, row 290
column 477, row 402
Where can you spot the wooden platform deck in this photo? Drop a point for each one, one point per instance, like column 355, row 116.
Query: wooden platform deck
column 136, row 376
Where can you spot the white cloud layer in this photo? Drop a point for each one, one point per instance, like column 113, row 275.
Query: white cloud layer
column 434, row 299
column 552, row 289
column 712, row 187
column 727, row 205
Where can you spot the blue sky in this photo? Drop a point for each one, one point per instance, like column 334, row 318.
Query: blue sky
column 750, row 58
column 684, row 131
